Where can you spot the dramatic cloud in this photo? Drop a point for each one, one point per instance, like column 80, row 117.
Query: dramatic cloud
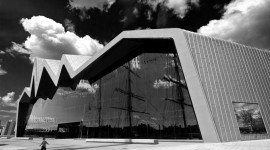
column 48, row 39
column 69, row 25
column 8, row 100
column 84, row 5
column 132, row 8
column 17, row 49
column 181, row 7
column 2, row 71
column 244, row 21
column 90, row 3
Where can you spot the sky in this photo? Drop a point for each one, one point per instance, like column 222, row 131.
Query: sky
column 50, row 28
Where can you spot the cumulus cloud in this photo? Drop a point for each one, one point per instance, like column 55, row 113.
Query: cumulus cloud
column 2, row 71
column 85, row 85
column 48, row 39
column 181, row 7
column 244, row 21
column 83, row 88
column 2, row 52
column 161, row 83
column 69, row 25
column 8, row 100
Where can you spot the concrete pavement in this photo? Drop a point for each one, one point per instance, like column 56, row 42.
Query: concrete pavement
column 80, row 144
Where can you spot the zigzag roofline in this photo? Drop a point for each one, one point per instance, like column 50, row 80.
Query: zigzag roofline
column 55, row 68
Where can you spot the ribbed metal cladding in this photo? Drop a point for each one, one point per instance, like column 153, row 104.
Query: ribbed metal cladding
column 230, row 72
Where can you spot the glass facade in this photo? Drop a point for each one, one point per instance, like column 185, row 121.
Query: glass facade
column 146, row 97
column 249, row 118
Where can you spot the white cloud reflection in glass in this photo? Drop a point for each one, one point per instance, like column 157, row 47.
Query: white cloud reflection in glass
column 249, row 118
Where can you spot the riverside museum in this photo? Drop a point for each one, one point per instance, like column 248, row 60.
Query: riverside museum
column 151, row 84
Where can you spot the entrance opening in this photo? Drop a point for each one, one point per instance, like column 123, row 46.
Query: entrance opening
column 68, row 130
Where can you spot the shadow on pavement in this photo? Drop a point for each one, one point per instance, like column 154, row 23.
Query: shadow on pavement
column 88, row 147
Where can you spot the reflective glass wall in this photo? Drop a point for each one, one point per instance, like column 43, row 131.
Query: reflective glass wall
column 144, row 98
column 249, row 118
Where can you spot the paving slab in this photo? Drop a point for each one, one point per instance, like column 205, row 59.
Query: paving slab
column 81, row 144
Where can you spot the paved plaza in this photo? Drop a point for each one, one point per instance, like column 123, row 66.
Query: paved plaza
column 80, row 144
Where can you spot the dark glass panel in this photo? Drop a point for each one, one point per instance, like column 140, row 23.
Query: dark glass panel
column 249, row 118
column 144, row 98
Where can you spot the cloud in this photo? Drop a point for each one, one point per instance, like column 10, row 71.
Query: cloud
column 8, row 100
column 69, row 25
column 244, row 21
column 2, row 52
column 48, row 39
column 131, row 8
column 85, row 85
column 181, row 7
column 87, row 4
column 8, row 111
column 17, row 49
column 5, row 116
column 84, row 5
column 162, row 83
column 2, row 71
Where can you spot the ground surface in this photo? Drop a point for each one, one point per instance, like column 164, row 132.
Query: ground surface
column 73, row 144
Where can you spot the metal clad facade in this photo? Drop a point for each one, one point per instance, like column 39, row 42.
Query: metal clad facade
column 231, row 72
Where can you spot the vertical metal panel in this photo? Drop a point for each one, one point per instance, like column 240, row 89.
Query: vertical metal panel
column 227, row 90
column 264, row 89
column 211, row 85
column 220, row 88
column 264, row 58
column 230, row 72
column 240, row 73
column 248, row 60
column 259, row 79
column 235, row 72
column 233, row 96
column 215, row 85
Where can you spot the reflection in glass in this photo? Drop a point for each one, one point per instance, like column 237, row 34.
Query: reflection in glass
column 146, row 97
column 249, row 118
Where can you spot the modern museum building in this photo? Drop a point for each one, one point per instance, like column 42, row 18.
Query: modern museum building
column 167, row 84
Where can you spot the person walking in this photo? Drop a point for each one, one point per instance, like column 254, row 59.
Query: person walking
column 43, row 144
